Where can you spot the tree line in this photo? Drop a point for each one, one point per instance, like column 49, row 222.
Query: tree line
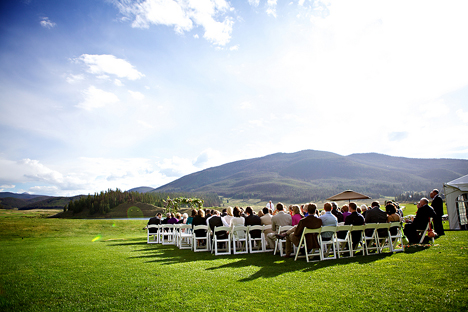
column 104, row 201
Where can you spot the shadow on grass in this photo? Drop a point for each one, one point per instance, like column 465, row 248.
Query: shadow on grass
column 268, row 264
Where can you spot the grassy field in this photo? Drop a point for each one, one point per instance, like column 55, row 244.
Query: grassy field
column 95, row 265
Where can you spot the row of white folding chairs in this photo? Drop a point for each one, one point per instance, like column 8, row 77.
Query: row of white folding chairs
column 239, row 239
column 336, row 247
column 184, row 237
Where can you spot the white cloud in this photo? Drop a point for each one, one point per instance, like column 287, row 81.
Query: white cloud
column 462, row 115
column 46, row 23
column 254, row 3
column 109, row 64
column 96, row 98
column 74, row 78
column 271, row 7
column 118, row 83
column 136, row 95
column 196, row 36
column 5, row 187
column 234, row 48
column 182, row 15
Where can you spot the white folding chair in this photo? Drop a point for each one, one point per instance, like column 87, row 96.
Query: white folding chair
column 303, row 243
column 239, row 235
column 184, row 236
column 167, row 234
column 257, row 244
column 217, row 241
column 396, row 239
column 327, row 244
column 280, row 242
column 371, row 240
column 384, row 241
column 155, row 233
column 424, row 233
column 362, row 244
column 342, row 243
column 201, row 243
column 266, row 227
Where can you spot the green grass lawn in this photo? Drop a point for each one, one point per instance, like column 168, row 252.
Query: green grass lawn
column 95, row 265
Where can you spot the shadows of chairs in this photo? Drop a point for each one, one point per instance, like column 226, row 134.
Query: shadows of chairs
column 268, row 265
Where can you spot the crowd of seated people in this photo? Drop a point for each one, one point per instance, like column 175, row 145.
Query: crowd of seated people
column 330, row 215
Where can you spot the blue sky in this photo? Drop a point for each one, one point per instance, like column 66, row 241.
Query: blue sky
column 100, row 94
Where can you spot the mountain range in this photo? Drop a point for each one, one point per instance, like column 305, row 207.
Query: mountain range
column 314, row 175
column 303, row 176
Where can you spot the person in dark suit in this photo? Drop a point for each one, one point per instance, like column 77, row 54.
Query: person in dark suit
column 154, row 220
column 420, row 221
column 251, row 219
column 215, row 221
column 438, row 206
column 376, row 215
column 354, row 218
column 336, row 213
column 293, row 236
column 199, row 219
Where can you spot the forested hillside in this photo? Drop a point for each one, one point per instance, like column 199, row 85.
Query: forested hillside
column 315, row 175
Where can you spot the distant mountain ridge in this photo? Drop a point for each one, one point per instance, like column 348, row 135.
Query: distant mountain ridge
column 313, row 175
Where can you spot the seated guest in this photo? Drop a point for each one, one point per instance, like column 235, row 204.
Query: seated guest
column 237, row 220
column 154, row 220
column 354, row 218
column 260, row 213
column 190, row 219
column 281, row 218
column 420, row 221
column 364, row 210
column 199, row 219
column 293, row 236
column 215, row 221
column 224, row 212
column 183, row 219
column 266, row 220
column 168, row 217
column 172, row 219
column 336, row 213
column 328, row 219
column 296, row 215
column 345, row 212
column 227, row 218
column 392, row 216
column 376, row 215
column 251, row 219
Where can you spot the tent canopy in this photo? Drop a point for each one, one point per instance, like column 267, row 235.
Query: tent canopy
column 455, row 192
column 348, row 195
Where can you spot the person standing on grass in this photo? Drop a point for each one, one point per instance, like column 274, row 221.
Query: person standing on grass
column 270, row 205
column 438, row 206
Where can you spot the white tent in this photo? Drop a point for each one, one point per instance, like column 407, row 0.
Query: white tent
column 456, row 197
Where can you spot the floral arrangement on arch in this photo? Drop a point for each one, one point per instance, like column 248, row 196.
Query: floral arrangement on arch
column 173, row 204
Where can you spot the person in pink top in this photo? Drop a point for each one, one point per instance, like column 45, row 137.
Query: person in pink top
column 296, row 215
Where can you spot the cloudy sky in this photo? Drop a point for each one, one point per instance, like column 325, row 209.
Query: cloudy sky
column 98, row 94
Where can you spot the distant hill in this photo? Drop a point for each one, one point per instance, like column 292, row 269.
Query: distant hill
column 142, row 189
column 26, row 201
column 314, row 175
